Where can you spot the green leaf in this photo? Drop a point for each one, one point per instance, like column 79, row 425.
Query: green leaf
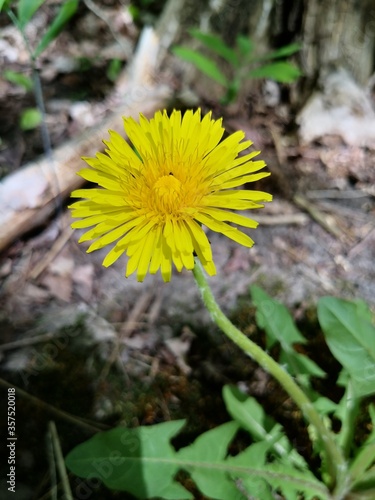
column 245, row 45
column 351, row 339
column 201, row 62
column 26, row 9
column 250, row 416
column 253, row 455
column 217, row 45
column 291, row 481
column 114, row 69
column 276, row 320
column 211, row 448
column 140, row 461
column 283, row 72
column 285, row 51
column 4, row 4
column 365, row 456
column 19, row 79
column 299, row 364
column 66, row 11
column 30, row 119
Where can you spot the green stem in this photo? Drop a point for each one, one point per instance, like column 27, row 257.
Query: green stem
column 336, row 462
column 352, row 405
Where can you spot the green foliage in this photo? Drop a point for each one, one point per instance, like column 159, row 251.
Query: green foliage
column 242, row 62
column 30, row 119
column 66, row 11
column 202, row 62
column 143, row 462
column 26, row 10
column 19, row 79
column 351, row 338
column 276, row 320
column 114, row 69
column 283, row 72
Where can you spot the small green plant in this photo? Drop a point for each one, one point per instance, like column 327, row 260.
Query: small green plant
column 143, row 462
column 243, row 62
column 21, row 16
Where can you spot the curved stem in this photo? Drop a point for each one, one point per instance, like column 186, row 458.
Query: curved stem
column 336, row 462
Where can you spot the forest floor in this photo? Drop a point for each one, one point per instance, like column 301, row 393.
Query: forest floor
column 85, row 343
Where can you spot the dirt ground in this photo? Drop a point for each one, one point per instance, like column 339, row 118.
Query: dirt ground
column 88, row 346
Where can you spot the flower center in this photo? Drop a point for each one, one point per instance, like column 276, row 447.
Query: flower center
column 166, row 193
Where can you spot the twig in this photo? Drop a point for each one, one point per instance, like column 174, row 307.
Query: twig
column 101, row 15
column 52, row 253
column 353, row 252
column 127, row 328
column 326, row 221
column 55, row 411
column 275, row 220
column 28, row 341
column 60, row 461
column 336, row 195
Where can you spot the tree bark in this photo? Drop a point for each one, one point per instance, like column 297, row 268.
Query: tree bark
column 340, row 33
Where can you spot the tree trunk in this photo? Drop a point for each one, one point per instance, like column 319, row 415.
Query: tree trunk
column 332, row 34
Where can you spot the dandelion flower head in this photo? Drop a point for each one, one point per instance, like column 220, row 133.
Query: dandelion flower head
column 153, row 200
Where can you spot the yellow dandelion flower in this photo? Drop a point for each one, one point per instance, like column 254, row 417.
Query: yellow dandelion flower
column 153, row 201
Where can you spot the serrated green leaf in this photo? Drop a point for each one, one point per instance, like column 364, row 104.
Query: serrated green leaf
column 19, row 79
column 30, row 119
column 276, row 320
column 285, row 51
column 250, row 416
column 253, row 455
column 216, row 44
column 282, row 475
column 26, row 9
column 211, row 448
column 283, row 72
column 351, row 339
column 201, row 62
column 140, row 461
column 66, row 11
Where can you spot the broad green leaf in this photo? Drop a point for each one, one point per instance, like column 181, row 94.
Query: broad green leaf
column 201, row 62
column 283, row 72
column 276, row 320
column 66, row 11
column 250, row 416
column 283, row 475
column 351, row 339
column 26, row 9
column 30, row 119
column 140, row 461
column 19, row 79
column 285, row 51
column 217, row 45
column 209, row 449
column 254, row 455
